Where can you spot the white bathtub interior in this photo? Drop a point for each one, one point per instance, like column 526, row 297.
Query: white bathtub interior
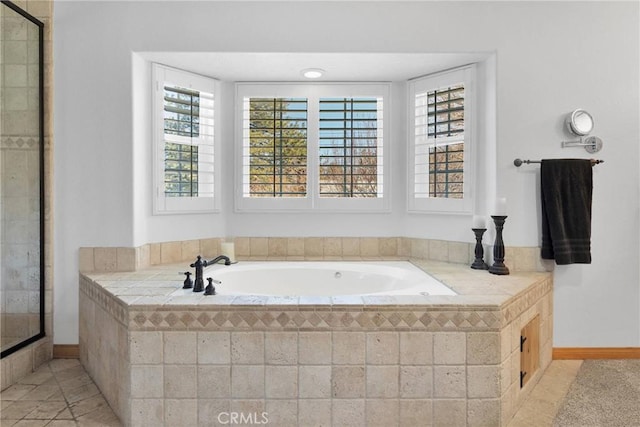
column 323, row 278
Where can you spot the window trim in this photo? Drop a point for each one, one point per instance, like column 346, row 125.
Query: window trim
column 312, row 202
column 163, row 205
column 466, row 75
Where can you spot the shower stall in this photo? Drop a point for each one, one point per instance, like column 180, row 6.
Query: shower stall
column 22, row 316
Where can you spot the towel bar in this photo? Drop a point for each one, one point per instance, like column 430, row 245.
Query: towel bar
column 519, row 162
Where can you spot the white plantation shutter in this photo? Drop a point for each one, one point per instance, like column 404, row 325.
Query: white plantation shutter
column 312, row 147
column 351, row 147
column 441, row 123
column 188, row 137
column 185, row 167
column 274, row 147
column 439, row 142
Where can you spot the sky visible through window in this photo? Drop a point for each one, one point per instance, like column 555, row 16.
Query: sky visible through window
column 348, row 147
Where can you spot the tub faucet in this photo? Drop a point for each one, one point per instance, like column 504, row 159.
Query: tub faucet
column 198, row 285
column 217, row 259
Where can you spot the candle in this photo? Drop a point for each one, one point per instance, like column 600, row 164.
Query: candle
column 478, row 221
column 228, row 250
column 501, row 207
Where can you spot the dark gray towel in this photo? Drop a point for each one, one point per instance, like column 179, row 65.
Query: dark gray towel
column 566, row 187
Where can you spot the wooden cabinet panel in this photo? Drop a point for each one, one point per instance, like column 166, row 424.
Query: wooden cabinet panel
column 529, row 350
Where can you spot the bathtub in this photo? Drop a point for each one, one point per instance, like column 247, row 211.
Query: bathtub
column 324, row 278
column 164, row 356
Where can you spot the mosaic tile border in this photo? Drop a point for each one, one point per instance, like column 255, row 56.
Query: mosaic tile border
column 105, row 300
column 312, row 320
column 272, row 318
column 522, row 302
column 234, row 317
column 19, row 142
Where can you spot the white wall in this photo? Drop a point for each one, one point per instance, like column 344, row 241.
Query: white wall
column 101, row 183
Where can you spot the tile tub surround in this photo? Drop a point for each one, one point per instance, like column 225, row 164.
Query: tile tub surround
column 307, row 361
column 302, row 248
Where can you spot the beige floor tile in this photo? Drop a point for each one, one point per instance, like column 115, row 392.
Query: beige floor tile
column 76, row 382
column 62, row 423
column 42, row 376
column 30, row 423
column 65, row 415
column 100, row 417
column 83, row 407
column 81, row 393
column 18, row 410
column 59, row 394
column 56, row 397
column 42, row 392
column 70, row 373
column 46, row 410
column 545, row 399
column 57, row 365
column 16, row 391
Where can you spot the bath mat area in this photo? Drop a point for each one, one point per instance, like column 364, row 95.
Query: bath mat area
column 605, row 393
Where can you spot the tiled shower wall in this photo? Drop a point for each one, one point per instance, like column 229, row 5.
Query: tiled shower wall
column 18, row 158
column 20, row 295
column 20, row 189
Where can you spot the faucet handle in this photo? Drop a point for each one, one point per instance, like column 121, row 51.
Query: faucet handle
column 210, row 289
column 188, row 282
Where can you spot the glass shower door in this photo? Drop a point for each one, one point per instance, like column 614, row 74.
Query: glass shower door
column 21, row 179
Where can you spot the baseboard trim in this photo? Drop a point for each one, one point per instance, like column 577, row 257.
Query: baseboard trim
column 585, row 353
column 66, row 351
column 72, row 351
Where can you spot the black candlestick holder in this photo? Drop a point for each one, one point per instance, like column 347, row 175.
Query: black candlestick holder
column 478, row 263
column 498, row 266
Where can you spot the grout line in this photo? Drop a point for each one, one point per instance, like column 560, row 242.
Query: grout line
column 63, row 395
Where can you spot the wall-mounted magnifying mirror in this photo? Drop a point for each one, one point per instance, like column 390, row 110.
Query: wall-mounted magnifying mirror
column 579, row 122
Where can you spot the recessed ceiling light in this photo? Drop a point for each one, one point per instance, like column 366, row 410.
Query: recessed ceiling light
column 312, row 73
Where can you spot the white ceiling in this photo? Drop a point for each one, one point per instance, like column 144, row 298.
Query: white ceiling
column 279, row 66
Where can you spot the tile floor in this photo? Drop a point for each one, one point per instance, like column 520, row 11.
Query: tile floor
column 545, row 399
column 61, row 394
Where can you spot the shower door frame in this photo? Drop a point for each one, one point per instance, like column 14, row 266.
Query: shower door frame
column 40, row 25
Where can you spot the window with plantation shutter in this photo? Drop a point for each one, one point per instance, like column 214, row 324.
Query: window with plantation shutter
column 442, row 141
column 181, row 118
column 275, row 147
column 351, row 147
column 312, row 147
column 185, row 167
